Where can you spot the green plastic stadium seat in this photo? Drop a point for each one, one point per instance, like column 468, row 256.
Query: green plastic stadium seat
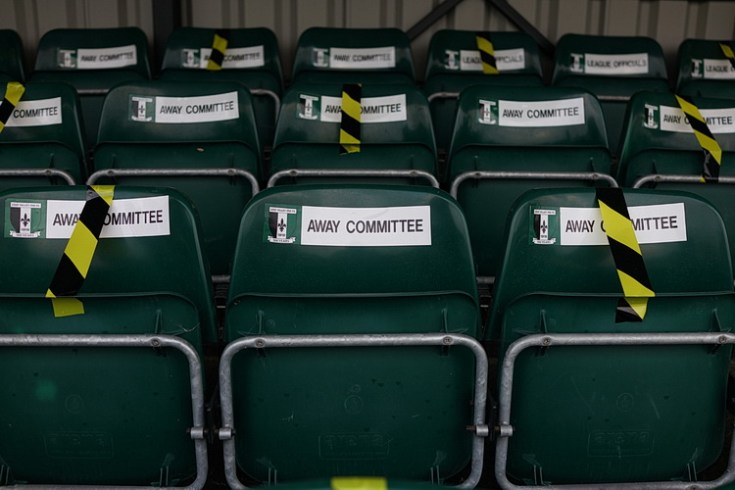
column 396, row 132
column 334, row 55
column 613, row 68
column 206, row 129
column 660, row 147
column 252, row 59
column 592, row 401
column 704, row 70
column 92, row 61
column 453, row 64
column 11, row 56
column 107, row 397
column 319, row 268
column 43, row 134
column 540, row 133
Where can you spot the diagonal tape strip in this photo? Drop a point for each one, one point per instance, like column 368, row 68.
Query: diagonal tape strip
column 705, row 138
column 358, row 483
column 626, row 254
column 349, row 128
column 729, row 54
column 79, row 251
column 487, row 54
column 13, row 92
column 219, row 48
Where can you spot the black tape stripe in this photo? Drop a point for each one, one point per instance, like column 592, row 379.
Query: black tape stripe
column 624, row 313
column 614, row 199
column 6, row 110
column 698, row 125
column 629, row 261
column 94, row 212
column 353, row 90
column 67, row 279
column 350, row 125
column 711, row 169
column 488, row 58
column 217, row 57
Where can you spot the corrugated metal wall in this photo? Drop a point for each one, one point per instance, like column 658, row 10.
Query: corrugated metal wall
column 668, row 21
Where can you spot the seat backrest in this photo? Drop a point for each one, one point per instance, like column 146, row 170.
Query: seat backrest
column 100, row 50
column 704, row 70
column 395, row 130
column 613, row 68
column 659, row 141
column 332, row 54
column 597, row 413
column 608, row 56
column 187, row 126
column 658, row 138
column 519, row 129
column 252, row 50
column 147, row 277
column 453, row 52
column 454, row 64
column 11, row 55
column 252, row 58
column 349, row 260
column 44, row 131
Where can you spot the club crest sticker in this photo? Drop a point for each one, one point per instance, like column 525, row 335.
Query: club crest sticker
column 24, row 219
column 544, row 226
column 281, row 224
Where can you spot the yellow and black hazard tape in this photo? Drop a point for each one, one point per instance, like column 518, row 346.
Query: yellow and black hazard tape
column 487, row 54
column 13, row 93
column 710, row 146
column 219, row 47
column 626, row 254
column 74, row 264
column 729, row 54
column 349, row 128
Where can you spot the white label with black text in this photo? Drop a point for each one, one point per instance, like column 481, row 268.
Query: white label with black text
column 567, row 112
column 142, row 217
column 652, row 224
column 208, row 108
column 616, row 64
column 718, row 69
column 249, row 57
column 46, row 112
column 103, row 58
column 366, row 227
column 362, row 58
column 719, row 121
column 505, row 60
column 391, row 108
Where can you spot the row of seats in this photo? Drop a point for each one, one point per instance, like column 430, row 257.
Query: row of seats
column 506, row 140
column 613, row 68
column 353, row 343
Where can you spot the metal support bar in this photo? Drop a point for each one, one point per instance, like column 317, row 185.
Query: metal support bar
column 443, row 95
column 139, row 341
column 298, row 172
column 92, row 91
column 521, row 23
column 432, row 17
column 614, row 339
column 677, row 179
column 227, row 433
column 176, row 172
column 486, row 175
column 272, row 95
column 45, row 172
